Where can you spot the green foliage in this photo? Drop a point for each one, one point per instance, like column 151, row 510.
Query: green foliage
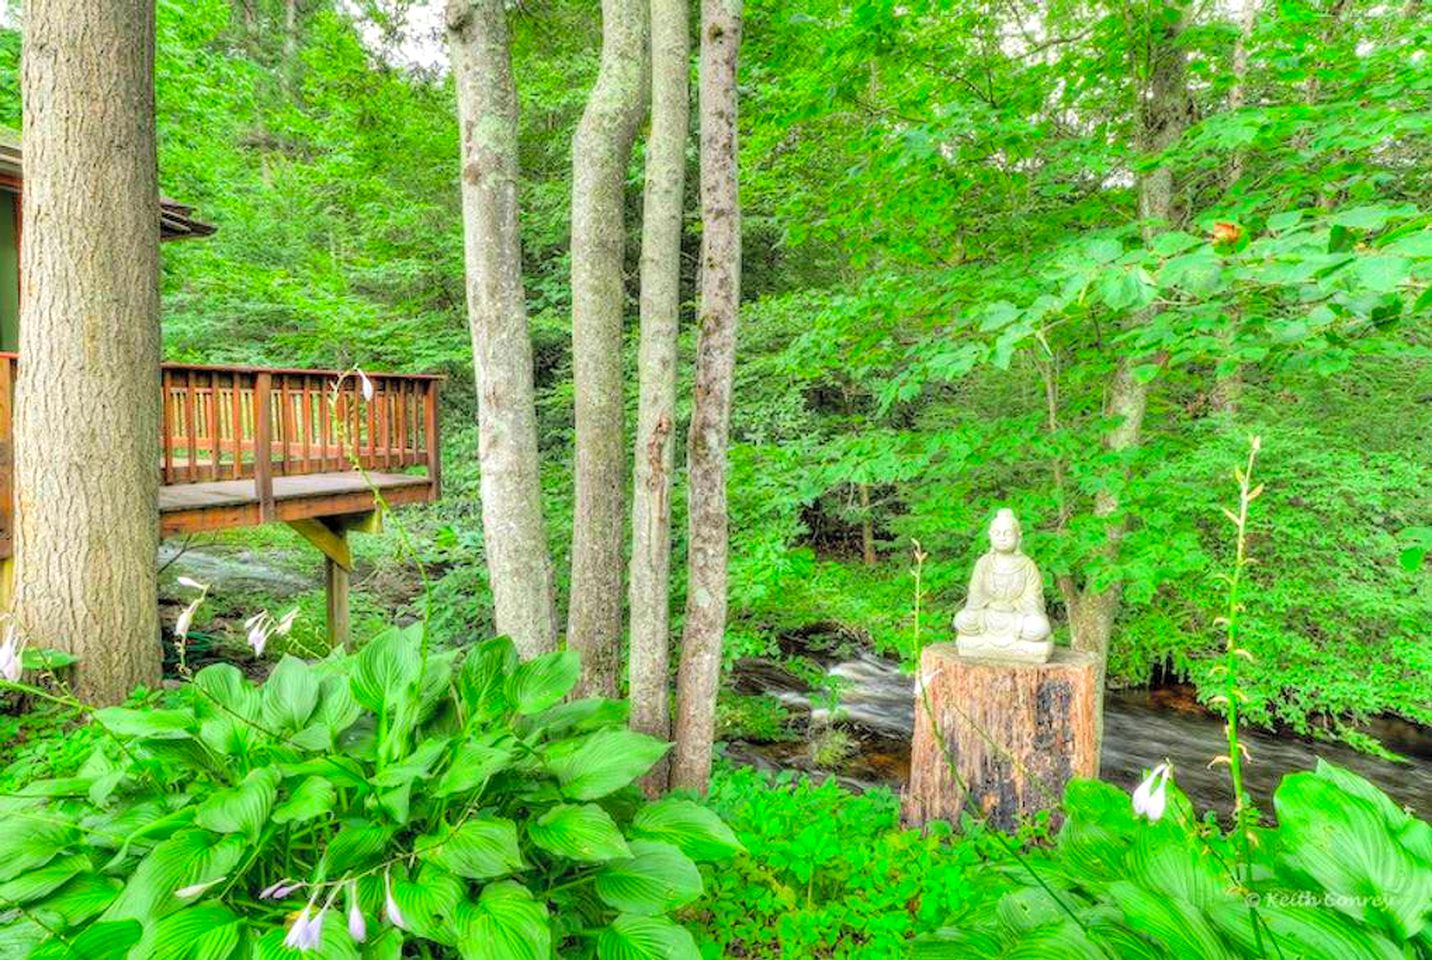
column 1345, row 873
column 504, row 821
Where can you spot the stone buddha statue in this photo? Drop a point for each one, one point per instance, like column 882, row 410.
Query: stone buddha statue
column 1003, row 618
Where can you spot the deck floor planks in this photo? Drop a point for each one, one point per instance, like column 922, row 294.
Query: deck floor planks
column 219, row 504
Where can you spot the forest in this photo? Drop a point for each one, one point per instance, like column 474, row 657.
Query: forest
column 706, row 349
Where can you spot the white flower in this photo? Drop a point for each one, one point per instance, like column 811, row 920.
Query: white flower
column 10, row 666
column 186, row 620
column 391, row 913
column 367, row 385
column 357, row 926
column 281, row 889
column 259, row 631
column 285, row 623
column 307, row 931
column 1151, row 796
column 194, row 889
column 192, row 584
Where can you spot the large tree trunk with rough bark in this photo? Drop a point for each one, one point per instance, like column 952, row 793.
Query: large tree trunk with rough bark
column 1163, row 117
column 600, row 152
column 519, row 563
column 87, row 414
column 649, row 590
column 700, row 670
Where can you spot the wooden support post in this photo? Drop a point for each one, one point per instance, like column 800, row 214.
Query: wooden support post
column 336, row 582
column 263, row 449
column 431, row 437
column 1015, row 733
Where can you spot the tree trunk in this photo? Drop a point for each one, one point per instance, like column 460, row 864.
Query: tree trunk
column 87, row 416
column 519, row 564
column 1163, row 118
column 649, row 593
column 700, row 670
column 867, row 527
column 601, row 150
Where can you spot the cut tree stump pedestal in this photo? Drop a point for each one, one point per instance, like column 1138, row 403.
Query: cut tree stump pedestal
column 1015, row 732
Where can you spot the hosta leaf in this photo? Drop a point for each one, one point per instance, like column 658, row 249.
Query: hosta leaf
column 359, row 844
column 243, row 809
column 1175, row 924
column 99, row 941
column 645, row 938
column 77, row 901
column 579, row 833
column 42, row 881
column 290, row 695
column 32, row 839
column 690, row 827
column 576, row 716
column 479, row 849
column 591, row 766
column 155, row 724
column 336, row 944
column 187, row 858
column 1345, row 844
column 482, row 681
column 1310, row 930
column 506, row 923
column 656, row 879
column 542, row 681
column 387, row 667
column 473, row 763
column 205, row 931
column 414, row 765
column 429, row 902
column 312, row 798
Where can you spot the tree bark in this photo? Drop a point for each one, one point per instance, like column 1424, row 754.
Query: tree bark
column 1164, row 115
column 601, row 150
column 87, row 416
column 519, row 563
column 700, row 670
column 649, row 590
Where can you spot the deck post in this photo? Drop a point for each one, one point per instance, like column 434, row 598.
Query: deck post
column 336, row 584
column 263, row 445
column 430, row 429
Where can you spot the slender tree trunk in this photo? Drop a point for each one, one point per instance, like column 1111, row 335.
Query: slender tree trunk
column 87, row 416
column 519, row 564
column 601, row 150
column 867, row 527
column 700, row 671
column 649, row 593
column 1163, row 118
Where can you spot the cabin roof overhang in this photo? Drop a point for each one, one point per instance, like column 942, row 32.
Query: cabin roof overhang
column 176, row 220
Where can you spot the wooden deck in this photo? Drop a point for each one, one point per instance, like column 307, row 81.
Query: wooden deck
column 220, row 504
column 241, row 446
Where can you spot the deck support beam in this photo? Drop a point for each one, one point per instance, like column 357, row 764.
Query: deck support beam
column 330, row 535
column 336, row 588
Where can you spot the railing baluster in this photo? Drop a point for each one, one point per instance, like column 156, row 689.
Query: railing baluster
column 306, row 430
column 372, row 460
column 214, row 446
column 191, row 427
column 167, row 425
column 286, row 427
column 430, row 411
column 236, row 401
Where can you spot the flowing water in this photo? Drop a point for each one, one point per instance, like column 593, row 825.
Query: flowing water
column 1141, row 728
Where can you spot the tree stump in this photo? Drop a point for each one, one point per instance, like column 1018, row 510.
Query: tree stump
column 1016, row 733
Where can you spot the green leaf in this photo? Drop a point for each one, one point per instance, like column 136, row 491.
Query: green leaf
column 187, row 858
column 43, row 658
column 1174, row 241
column 542, row 681
column 579, row 833
column 289, row 695
column 482, row 681
column 693, row 829
column 592, row 766
column 1411, row 559
column 414, row 765
column 1123, row 289
column 358, row 845
column 1177, row 925
column 154, row 724
column 657, row 879
column 1286, row 220
column 205, row 931
column 1104, row 250
column 77, row 901
column 1381, row 273
column 478, row 849
column 243, row 809
column 387, row 668
column 312, row 798
column 645, row 938
column 100, row 941
column 31, row 840
column 430, row 902
column 42, row 881
column 473, row 763
column 506, row 923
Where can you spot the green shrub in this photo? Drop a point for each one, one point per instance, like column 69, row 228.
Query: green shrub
column 496, row 820
column 1344, row 875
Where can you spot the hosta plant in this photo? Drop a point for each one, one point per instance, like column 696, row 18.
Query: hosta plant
column 394, row 802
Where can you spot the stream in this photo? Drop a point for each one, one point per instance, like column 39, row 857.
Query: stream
column 1141, row 728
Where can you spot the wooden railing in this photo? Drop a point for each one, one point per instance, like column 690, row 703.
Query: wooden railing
column 235, row 423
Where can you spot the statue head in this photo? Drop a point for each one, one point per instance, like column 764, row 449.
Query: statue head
column 1004, row 532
